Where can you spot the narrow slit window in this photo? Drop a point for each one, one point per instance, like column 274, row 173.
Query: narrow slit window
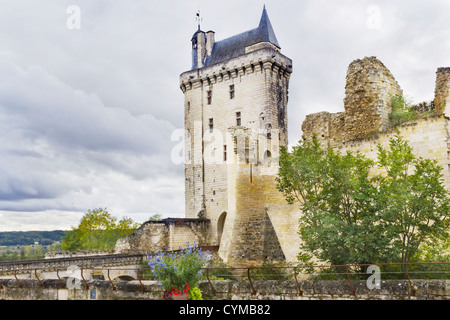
column 232, row 92
column 211, row 125
column 209, row 96
column 238, row 119
column 224, row 153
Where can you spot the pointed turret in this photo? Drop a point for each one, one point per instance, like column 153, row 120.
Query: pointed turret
column 266, row 30
column 206, row 51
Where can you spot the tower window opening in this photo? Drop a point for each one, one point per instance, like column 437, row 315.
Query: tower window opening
column 211, row 125
column 209, row 96
column 232, row 91
column 238, row 119
column 224, row 153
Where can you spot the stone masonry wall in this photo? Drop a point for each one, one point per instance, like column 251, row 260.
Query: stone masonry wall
column 260, row 79
column 364, row 124
column 329, row 127
column 441, row 92
column 368, row 91
column 367, row 103
column 429, row 138
column 327, row 290
column 169, row 234
column 264, row 227
column 230, row 290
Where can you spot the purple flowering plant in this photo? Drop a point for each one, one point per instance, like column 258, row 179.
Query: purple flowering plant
column 178, row 271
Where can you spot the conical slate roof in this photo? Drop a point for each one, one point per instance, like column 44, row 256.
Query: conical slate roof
column 235, row 46
column 266, row 30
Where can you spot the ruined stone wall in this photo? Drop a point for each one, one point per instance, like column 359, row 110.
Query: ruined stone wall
column 441, row 93
column 168, row 234
column 367, row 103
column 329, row 127
column 429, row 138
column 365, row 122
column 368, row 91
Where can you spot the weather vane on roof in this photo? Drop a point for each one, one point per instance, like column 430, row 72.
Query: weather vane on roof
column 198, row 19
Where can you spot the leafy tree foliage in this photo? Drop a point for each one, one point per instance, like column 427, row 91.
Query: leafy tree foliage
column 350, row 217
column 412, row 199
column 31, row 252
column 98, row 230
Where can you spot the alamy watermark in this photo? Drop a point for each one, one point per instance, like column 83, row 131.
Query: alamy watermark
column 73, row 22
column 74, row 277
column 374, row 280
column 373, row 21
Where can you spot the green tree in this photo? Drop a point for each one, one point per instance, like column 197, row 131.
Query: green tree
column 413, row 200
column 155, row 217
column 402, row 111
column 98, row 230
column 339, row 219
column 54, row 247
column 349, row 217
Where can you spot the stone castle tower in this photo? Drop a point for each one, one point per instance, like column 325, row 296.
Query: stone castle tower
column 236, row 97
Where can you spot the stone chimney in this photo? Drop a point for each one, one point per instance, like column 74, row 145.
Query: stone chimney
column 209, row 42
column 201, row 49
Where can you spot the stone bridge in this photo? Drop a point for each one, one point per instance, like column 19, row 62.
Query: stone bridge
column 109, row 267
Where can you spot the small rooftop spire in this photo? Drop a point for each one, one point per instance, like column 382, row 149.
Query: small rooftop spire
column 198, row 19
column 266, row 27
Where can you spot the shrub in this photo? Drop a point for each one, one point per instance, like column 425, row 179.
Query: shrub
column 195, row 294
column 401, row 112
column 180, row 270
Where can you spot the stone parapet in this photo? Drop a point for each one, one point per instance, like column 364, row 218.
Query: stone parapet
column 251, row 62
column 326, row 290
column 231, row 290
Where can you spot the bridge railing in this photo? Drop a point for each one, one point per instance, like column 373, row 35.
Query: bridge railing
column 25, row 266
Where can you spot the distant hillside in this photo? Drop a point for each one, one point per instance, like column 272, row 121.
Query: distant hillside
column 24, row 238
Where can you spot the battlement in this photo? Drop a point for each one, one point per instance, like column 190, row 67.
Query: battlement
column 265, row 58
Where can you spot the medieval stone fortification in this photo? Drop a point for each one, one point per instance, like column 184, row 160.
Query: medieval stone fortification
column 365, row 122
column 236, row 97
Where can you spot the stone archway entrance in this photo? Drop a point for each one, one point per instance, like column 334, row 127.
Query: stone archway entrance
column 220, row 225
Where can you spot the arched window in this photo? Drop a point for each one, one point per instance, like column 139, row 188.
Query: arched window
column 220, row 225
column 268, row 158
column 262, row 121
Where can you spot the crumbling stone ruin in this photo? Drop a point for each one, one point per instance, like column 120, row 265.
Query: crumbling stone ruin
column 365, row 122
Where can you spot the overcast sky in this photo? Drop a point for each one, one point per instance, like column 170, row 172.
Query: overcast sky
column 87, row 114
